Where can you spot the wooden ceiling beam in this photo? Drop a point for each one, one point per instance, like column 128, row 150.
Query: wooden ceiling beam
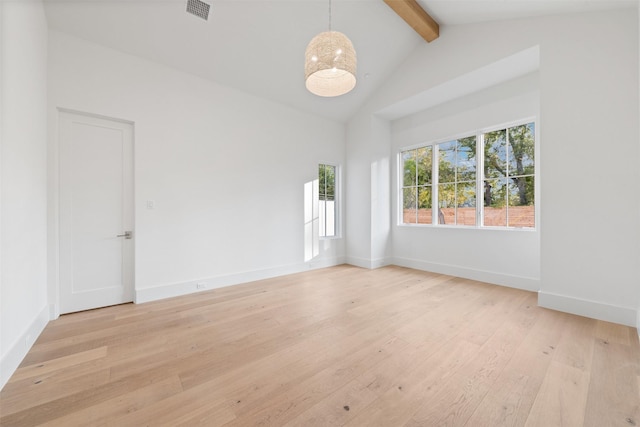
column 416, row 17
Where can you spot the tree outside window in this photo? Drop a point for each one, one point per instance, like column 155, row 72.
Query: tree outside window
column 327, row 199
column 446, row 175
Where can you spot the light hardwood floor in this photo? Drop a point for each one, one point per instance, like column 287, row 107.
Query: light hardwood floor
column 339, row 346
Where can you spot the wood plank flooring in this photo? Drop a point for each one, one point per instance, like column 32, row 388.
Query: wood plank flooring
column 332, row 347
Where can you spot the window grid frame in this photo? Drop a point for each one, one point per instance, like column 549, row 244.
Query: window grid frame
column 455, row 182
column 480, row 177
column 415, row 185
column 336, row 199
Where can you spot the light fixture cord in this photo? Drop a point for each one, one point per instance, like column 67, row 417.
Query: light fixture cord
column 329, row 15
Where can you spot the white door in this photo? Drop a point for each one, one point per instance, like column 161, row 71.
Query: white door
column 96, row 212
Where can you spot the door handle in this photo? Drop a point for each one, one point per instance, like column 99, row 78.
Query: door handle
column 126, row 235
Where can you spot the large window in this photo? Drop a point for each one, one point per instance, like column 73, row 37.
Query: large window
column 327, row 200
column 485, row 180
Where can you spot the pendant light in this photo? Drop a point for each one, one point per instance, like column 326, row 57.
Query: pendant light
column 330, row 63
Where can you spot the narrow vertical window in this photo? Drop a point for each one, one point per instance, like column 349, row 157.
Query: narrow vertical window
column 521, row 212
column 509, row 188
column 495, row 178
column 457, row 182
column 417, row 185
column 327, row 200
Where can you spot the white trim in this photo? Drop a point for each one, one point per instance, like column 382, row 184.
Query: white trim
column 367, row 263
column 94, row 115
column 170, row 290
column 359, row 262
column 518, row 282
column 54, row 311
column 21, row 346
column 592, row 309
column 380, row 262
column 473, row 132
column 470, row 227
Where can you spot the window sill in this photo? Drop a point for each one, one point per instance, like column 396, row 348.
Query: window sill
column 330, row 237
column 467, row 227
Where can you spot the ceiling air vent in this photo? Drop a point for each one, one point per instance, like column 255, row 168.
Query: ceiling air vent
column 198, row 8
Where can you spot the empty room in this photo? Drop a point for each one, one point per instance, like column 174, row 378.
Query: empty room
column 319, row 213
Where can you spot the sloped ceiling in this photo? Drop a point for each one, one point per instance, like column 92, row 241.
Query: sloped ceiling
column 257, row 46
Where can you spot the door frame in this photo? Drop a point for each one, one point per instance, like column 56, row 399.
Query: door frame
column 54, row 210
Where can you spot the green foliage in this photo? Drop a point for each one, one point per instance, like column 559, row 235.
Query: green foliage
column 416, row 166
column 522, row 143
column 447, row 162
column 508, row 171
column 424, row 159
column 409, row 169
column 521, row 162
column 424, row 197
column 466, row 159
column 409, row 198
column 327, row 182
column 457, row 173
column 416, row 178
column 510, row 163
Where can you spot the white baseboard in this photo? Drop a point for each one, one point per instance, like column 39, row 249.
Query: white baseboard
column 593, row 309
column 359, row 262
column 380, row 262
column 370, row 264
column 21, row 346
column 54, row 311
column 184, row 288
column 518, row 282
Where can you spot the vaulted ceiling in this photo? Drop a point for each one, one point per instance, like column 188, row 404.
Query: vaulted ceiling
column 258, row 46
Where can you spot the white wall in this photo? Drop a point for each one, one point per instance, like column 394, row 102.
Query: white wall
column 357, row 196
column 23, row 293
column 588, row 119
column 367, row 199
column 226, row 170
column 590, row 228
